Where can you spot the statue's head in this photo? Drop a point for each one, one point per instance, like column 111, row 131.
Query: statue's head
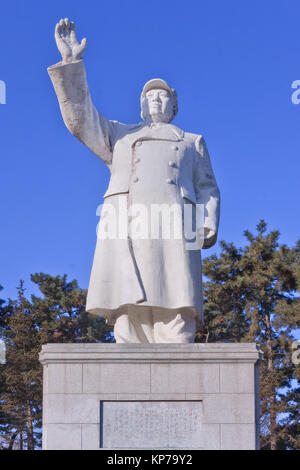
column 158, row 101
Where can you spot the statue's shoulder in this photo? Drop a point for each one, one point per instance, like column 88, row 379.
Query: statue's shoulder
column 127, row 127
column 193, row 138
column 121, row 130
column 197, row 141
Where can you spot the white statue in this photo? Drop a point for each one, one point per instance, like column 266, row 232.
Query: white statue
column 149, row 287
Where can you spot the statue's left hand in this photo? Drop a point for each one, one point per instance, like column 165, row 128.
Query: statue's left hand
column 67, row 43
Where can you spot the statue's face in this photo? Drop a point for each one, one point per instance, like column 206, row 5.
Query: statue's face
column 158, row 106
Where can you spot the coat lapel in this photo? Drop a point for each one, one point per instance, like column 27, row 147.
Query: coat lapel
column 155, row 132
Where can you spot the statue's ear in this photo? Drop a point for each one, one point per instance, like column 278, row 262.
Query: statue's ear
column 142, row 104
column 175, row 102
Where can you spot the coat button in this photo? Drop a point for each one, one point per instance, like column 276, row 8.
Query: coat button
column 169, row 181
column 137, row 160
column 174, row 147
column 171, row 163
column 139, row 143
column 135, row 179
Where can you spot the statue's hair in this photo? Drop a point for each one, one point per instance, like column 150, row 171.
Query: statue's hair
column 175, row 104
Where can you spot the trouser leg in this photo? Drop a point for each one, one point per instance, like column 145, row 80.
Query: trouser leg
column 174, row 327
column 153, row 325
column 134, row 327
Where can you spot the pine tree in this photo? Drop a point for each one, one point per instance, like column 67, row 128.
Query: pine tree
column 61, row 314
column 251, row 297
column 2, row 302
column 58, row 316
column 22, row 391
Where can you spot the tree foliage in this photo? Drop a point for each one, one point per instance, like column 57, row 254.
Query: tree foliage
column 251, row 296
column 57, row 316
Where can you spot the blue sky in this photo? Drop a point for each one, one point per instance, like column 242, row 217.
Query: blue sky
column 232, row 64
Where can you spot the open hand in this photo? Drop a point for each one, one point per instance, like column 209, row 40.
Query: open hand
column 67, row 43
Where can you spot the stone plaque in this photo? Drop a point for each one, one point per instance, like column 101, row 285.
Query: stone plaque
column 150, row 424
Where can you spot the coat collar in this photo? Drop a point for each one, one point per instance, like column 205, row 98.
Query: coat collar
column 161, row 131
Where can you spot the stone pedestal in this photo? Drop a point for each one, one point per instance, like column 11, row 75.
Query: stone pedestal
column 155, row 396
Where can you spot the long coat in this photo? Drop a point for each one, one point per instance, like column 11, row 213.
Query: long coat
column 149, row 164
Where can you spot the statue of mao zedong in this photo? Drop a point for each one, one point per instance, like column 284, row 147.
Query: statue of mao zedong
column 148, row 284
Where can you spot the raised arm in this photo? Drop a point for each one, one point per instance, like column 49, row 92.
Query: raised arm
column 70, row 84
column 207, row 192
